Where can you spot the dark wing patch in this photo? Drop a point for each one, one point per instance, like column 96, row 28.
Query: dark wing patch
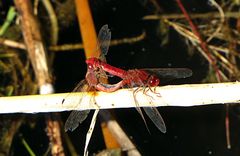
column 170, row 73
column 104, row 38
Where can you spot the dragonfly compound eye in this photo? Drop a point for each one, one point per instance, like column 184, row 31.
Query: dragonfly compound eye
column 90, row 66
column 153, row 81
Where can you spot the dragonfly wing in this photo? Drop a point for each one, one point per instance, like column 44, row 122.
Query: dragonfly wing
column 81, row 86
column 156, row 118
column 170, row 73
column 74, row 119
column 104, row 38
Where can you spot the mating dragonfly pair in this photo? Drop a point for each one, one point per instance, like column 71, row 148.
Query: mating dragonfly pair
column 140, row 78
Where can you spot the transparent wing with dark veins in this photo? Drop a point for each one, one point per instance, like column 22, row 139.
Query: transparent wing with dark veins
column 156, row 118
column 170, row 73
column 104, row 38
column 77, row 117
column 74, row 119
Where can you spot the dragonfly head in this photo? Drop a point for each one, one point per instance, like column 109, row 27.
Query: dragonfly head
column 153, row 81
column 91, row 62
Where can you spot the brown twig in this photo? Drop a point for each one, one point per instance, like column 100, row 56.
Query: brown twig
column 33, row 41
column 77, row 46
column 37, row 55
column 54, row 133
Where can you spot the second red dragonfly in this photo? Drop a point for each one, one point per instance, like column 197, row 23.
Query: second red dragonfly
column 143, row 79
column 92, row 78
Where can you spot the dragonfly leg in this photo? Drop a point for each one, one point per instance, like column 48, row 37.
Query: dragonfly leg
column 146, row 89
column 102, row 74
column 93, row 100
column 153, row 91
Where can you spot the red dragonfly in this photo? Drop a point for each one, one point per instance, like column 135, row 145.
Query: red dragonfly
column 92, row 78
column 145, row 78
column 138, row 77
